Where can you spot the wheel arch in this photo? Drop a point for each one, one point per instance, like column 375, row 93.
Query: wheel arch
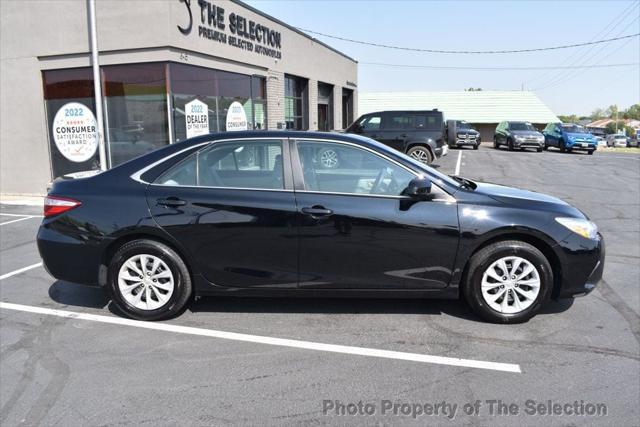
column 535, row 241
column 113, row 246
column 426, row 144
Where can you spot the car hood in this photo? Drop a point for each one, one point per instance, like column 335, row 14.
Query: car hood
column 526, row 199
column 526, row 133
column 468, row 131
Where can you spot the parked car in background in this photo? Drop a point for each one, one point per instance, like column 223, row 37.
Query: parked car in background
column 601, row 141
column 632, row 142
column 616, row 140
column 569, row 137
column 461, row 133
column 420, row 134
column 199, row 223
column 520, row 135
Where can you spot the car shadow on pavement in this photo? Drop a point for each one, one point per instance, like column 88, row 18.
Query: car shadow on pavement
column 71, row 294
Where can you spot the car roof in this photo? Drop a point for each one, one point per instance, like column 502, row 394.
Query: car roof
column 403, row 111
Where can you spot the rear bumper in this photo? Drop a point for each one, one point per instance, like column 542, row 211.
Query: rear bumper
column 441, row 151
column 67, row 258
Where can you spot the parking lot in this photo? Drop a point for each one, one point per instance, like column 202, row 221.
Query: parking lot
column 217, row 367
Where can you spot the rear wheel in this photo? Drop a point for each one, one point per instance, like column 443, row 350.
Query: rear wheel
column 328, row 158
column 148, row 280
column 507, row 282
column 421, row 153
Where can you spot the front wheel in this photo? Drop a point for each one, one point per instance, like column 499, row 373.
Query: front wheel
column 510, row 145
column 590, row 152
column 561, row 146
column 507, row 282
column 475, row 147
column 148, row 280
column 421, row 153
column 539, row 150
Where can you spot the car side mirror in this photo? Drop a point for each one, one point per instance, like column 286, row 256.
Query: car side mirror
column 358, row 129
column 419, row 188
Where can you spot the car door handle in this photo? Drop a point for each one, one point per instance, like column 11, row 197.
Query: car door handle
column 404, row 135
column 317, row 211
column 171, row 201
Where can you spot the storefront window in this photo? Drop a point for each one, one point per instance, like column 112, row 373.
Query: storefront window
column 214, row 91
column 325, row 106
column 295, row 89
column 70, row 91
column 136, row 114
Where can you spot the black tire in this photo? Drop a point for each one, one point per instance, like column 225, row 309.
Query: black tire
column 475, row 147
column 510, row 144
column 182, row 279
column 495, row 143
column 539, row 150
column 561, row 146
column 416, row 148
column 590, row 152
column 484, row 258
column 546, row 147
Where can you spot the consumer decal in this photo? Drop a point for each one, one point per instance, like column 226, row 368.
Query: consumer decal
column 74, row 132
column 236, row 117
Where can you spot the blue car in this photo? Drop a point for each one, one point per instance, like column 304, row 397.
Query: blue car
column 569, row 137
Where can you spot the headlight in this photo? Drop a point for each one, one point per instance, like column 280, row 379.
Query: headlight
column 583, row 227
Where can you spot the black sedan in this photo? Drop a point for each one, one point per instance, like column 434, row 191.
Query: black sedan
column 257, row 213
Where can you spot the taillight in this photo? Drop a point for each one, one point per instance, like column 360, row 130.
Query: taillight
column 54, row 205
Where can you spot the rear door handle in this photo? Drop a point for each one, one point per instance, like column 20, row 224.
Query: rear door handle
column 317, row 211
column 171, row 201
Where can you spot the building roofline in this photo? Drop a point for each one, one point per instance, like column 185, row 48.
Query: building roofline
column 284, row 24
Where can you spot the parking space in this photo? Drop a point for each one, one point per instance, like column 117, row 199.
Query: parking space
column 61, row 368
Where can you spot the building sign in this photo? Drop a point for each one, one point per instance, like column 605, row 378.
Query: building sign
column 74, row 132
column 196, row 115
column 236, row 31
column 236, row 117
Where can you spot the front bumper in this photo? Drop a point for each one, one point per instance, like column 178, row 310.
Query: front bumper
column 582, row 269
column 586, row 146
column 525, row 143
column 467, row 141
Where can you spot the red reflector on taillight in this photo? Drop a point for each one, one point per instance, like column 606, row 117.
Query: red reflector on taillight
column 54, row 205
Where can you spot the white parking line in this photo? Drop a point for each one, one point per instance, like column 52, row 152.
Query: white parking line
column 457, row 172
column 10, row 214
column 21, row 270
column 16, row 220
column 306, row 345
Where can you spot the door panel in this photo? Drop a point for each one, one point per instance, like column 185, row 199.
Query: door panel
column 357, row 232
column 372, row 243
column 234, row 237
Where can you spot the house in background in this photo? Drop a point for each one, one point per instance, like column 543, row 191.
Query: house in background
column 599, row 127
column 483, row 109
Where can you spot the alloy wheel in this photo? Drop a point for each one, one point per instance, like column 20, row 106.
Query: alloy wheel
column 329, row 159
column 420, row 155
column 145, row 282
column 510, row 285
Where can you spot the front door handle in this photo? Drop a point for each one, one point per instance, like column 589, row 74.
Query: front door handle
column 317, row 211
column 172, row 202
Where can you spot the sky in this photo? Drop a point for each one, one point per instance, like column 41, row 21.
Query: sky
column 483, row 25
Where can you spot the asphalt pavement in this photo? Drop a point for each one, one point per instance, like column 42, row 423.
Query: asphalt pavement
column 83, row 366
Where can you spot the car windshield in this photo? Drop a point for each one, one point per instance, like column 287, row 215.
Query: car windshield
column 574, row 129
column 463, row 126
column 520, row 126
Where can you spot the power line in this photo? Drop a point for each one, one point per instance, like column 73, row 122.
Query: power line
column 466, row 52
column 438, row 67
column 619, row 19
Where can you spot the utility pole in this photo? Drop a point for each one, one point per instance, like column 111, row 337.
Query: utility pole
column 97, row 83
column 616, row 120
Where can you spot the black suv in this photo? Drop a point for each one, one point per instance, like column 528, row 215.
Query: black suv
column 420, row 134
column 461, row 133
column 518, row 135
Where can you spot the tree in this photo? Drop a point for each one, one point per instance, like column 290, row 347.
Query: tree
column 611, row 128
column 632, row 112
column 569, row 119
column 598, row 113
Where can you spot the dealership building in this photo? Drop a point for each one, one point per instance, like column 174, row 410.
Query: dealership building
column 483, row 109
column 169, row 70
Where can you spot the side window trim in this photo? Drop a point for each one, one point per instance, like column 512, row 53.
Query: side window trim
column 286, row 166
column 298, row 182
